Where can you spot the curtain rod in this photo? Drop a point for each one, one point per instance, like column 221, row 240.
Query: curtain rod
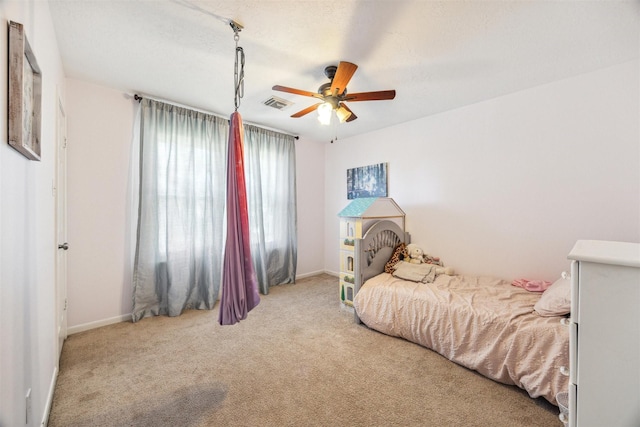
column 139, row 98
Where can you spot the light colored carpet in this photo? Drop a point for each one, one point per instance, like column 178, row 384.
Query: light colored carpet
column 297, row 360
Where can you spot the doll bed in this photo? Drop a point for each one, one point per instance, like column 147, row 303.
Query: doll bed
column 482, row 323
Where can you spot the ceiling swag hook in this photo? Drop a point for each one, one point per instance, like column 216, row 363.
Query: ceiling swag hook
column 236, row 28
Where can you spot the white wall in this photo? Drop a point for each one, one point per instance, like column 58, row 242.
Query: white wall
column 310, row 197
column 100, row 129
column 505, row 187
column 28, row 350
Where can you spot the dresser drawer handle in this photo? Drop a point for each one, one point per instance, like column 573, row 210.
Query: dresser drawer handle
column 564, row 371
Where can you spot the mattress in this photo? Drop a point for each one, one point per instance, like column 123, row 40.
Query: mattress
column 482, row 323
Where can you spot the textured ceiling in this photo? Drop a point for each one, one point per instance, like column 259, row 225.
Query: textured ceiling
column 437, row 55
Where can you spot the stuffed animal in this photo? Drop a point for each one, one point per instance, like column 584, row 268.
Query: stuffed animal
column 432, row 260
column 417, row 256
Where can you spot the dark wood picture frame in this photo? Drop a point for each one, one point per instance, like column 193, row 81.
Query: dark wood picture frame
column 25, row 94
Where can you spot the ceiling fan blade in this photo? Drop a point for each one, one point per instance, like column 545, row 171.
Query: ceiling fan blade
column 371, row 96
column 352, row 116
column 296, row 91
column 343, row 75
column 306, row 110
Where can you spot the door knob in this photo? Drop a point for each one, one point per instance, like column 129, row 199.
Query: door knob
column 64, row 246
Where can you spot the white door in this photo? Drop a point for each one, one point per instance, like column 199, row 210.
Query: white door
column 61, row 226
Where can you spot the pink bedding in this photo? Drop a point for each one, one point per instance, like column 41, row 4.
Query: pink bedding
column 482, row 323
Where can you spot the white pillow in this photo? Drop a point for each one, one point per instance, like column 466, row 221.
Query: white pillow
column 556, row 300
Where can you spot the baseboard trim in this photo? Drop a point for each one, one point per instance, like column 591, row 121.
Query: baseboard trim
column 305, row 275
column 317, row 272
column 49, row 402
column 332, row 273
column 98, row 323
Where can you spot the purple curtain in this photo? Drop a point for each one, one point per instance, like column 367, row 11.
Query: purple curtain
column 239, row 280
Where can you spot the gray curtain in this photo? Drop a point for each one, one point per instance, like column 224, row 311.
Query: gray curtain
column 270, row 166
column 181, row 218
column 181, row 210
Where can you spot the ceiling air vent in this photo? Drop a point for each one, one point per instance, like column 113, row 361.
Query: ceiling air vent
column 277, row 103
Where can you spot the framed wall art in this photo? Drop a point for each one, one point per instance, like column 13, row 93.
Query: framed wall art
column 25, row 94
column 367, row 181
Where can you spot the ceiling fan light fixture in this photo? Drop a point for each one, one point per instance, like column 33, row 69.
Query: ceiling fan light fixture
column 343, row 114
column 324, row 113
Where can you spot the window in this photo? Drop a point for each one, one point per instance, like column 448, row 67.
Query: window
column 182, row 204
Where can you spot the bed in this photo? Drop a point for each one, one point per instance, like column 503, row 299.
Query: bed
column 482, row 323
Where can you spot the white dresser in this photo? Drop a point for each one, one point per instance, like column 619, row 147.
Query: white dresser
column 605, row 334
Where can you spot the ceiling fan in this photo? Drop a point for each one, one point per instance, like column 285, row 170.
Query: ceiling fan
column 334, row 94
